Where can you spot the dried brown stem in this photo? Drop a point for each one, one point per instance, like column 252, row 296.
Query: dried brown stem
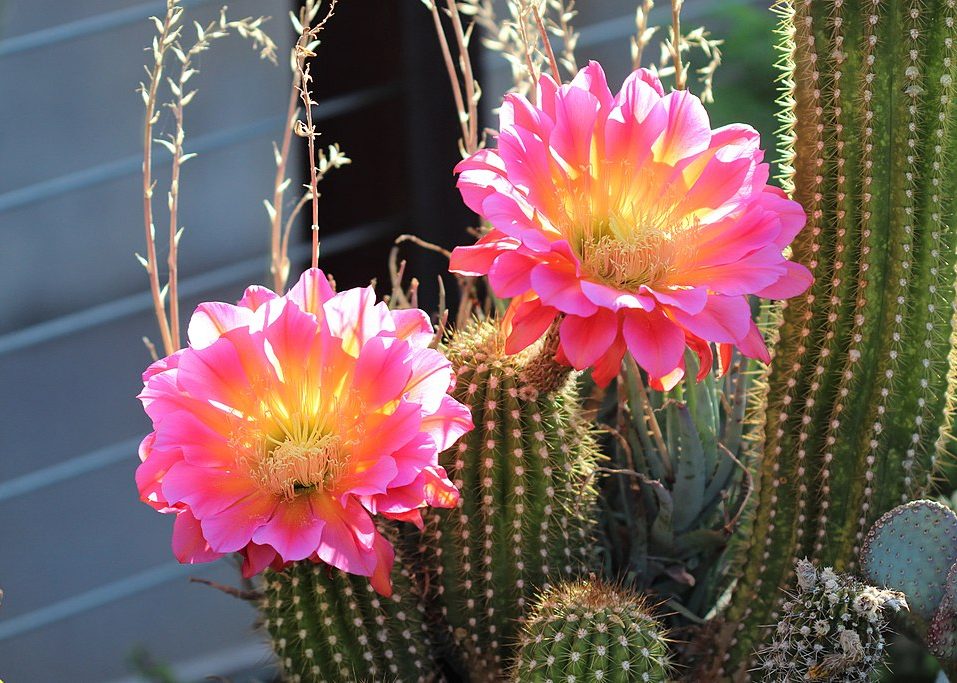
column 470, row 142
column 308, row 131
column 160, row 44
column 279, row 243
column 548, row 45
column 453, row 74
column 642, row 34
column 676, row 44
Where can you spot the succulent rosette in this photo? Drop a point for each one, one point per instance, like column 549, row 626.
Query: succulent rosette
column 632, row 222
column 290, row 422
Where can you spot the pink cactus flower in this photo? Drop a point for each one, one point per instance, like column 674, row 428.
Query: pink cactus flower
column 632, row 221
column 289, row 422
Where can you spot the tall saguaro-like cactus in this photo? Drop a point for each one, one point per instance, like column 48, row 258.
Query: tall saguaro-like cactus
column 858, row 386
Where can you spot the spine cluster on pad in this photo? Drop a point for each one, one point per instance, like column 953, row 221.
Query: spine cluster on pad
column 525, row 515
column 327, row 626
column 591, row 631
column 858, row 388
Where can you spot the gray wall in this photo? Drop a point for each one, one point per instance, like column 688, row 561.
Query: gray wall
column 86, row 569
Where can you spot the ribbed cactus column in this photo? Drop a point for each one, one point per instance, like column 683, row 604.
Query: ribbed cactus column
column 858, row 385
column 329, row 626
column 526, row 476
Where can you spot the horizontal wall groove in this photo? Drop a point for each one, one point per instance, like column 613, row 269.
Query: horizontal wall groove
column 88, row 26
column 119, row 168
column 246, row 270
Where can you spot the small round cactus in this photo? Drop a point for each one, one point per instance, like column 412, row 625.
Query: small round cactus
column 591, row 631
column 832, row 629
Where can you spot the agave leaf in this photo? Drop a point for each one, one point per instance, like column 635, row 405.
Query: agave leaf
column 690, row 466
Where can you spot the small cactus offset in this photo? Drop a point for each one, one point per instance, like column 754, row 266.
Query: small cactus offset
column 591, row 631
column 329, row 626
column 913, row 549
column 525, row 474
column 858, row 388
column 832, row 629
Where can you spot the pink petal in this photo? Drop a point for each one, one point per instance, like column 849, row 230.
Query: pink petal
column 559, row 288
column 232, row 529
column 688, row 130
column 255, row 296
column 413, row 325
column 586, row 340
column 576, row 111
column 449, row 422
column 294, row 530
column 348, row 538
column 656, row 343
column 207, row 490
column 477, row 260
column 380, row 580
column 752, row 345
column 431, row 378
column 615, row 299
column 382, row 371
column 592, row 78
column 608, row 366
column 355, row 317
column 689, row 299
column 211, row 320
column 256, row 558
column 311, row 291
column 724, row 319
column 525, row 322
column 509, row 274
column 796, row 281
column 189, row 546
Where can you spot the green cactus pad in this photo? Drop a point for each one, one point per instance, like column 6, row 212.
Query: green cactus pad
column 524, row 518
column 941, row 636
column 832, row 629
column 911, row 549
column 589, row 631
column 329, row 626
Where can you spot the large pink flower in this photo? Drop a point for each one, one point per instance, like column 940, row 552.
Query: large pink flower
column 633, row 220
column 290, row 421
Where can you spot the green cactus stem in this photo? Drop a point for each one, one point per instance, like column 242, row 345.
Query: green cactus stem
column 832, row 629
column 526, row 477
column 591, row 631
column 329, row 626
column 859, row 387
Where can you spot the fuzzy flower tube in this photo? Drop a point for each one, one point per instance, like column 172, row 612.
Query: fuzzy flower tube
column 626, row 216
column 290, row 422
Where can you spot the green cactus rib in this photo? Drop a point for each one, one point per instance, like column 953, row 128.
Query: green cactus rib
column 858, row 388
column 526, row 479
column 591, row 631
column 329, row 626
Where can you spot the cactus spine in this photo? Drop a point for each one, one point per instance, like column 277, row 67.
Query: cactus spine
column 858, row 383
column 832, row 629
column 525, row 473
column 590, row 631
column 329, row 626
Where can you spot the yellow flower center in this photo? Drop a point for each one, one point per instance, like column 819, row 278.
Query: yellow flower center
column 626, row 230
column 293, row 466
